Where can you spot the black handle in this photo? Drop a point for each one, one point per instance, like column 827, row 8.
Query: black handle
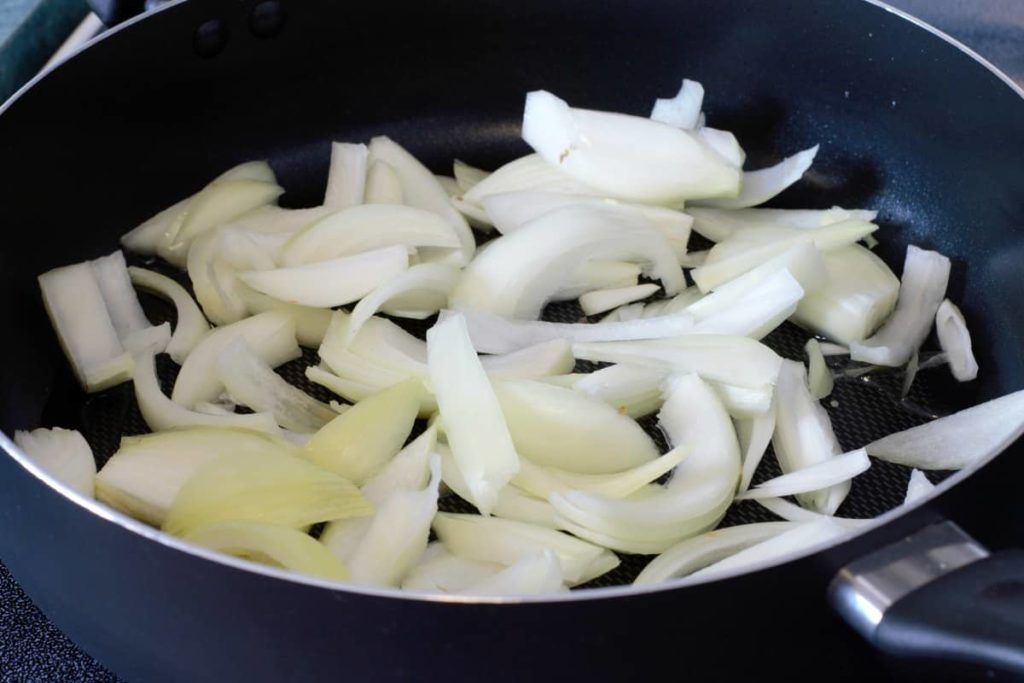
column 965, row 625
column 113, row 12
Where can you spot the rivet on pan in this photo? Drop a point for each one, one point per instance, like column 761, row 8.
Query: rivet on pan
column 210, row 38
column 267, row 18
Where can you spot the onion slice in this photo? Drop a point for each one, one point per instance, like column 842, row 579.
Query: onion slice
column 683, row 110
column 955, row 340
column 439, row 571
column 701, row 551
column 754, row 435
column 63, row 453
column 545, row 481
column 958, row 440
column 922, row 289
column 346, row 179
column 190, row 326
column 819, row 377
column 760, row 186
column 383, row 186
column 917, row 487
column 720, row 224
column 835, row 470
column 526, row 174
column 476, row 429
column 532, row 575
column 601, row 300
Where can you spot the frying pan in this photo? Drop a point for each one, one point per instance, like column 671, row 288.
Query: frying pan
column 910, row 123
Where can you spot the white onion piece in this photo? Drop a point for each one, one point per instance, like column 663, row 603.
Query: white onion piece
column 624, row 313
column 450, row 185
column 835, row 470
column 520, row 272
column 111, row 273
column 545, row 481
column 310, row 323
column 383, row 186
column 683, row 110
column 760, row 186
column 436, row 278
column 627, row 157
column 744, row 402
column 794, row 513
column 804, row 436
column 754, row 434
column 518, row 506
column 250, row 381
column 859, row 295
column 467, row 176
column 271, row 336
column 331, row 283
column 830, row 349
column 922, row 289
column 62, row 453
column 534, row 575
column 743, row 255
column 731, row 360
column 441, row 572
column 532, row 362
column 696, row 497
column 957, row 440
column 161, row 413
column 696, row 553
column 218, row 203
column 819, row 377
column 720, row 224
column 397, row 535
column 350, row 390
column 367, row 227
column 502, row 541
column 476, row 215
column 601, row 300
column 758, row 312
column 630, row 389
column 917, row 487
column 597, row 274
column 787, row 543
column 558, row 427
column 474, row 424
column 219, row 407
column 273, row 219
column 190, row 325
column 526, row 174
column 955, row 340
column 346, row 179
column 76, row 308
column 724, row 144
column 494, row 334
column 421, row 190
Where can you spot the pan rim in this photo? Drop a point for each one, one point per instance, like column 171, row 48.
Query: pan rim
column 609, row 592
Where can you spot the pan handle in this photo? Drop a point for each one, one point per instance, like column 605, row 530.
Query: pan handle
column 940, row 605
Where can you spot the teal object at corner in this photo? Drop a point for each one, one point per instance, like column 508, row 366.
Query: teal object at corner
column 30, row 31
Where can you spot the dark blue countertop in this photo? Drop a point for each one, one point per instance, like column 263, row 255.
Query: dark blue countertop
column 32, row 649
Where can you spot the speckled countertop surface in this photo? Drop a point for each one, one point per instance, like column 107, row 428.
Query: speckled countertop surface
column 31, row 649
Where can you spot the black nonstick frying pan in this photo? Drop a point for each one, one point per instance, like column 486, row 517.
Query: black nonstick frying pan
column 909, row 124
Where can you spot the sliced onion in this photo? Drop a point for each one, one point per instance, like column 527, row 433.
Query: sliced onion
column 955, row 340
column 79, row 316
column 161, row 413
column 558, row 427
column 627, row 157
column 804, row 437
column 262, row 486
column 794, row 513
column 683, row 110
column 421, row 189
column 270, row 335
column 520, row 272
column 270, row 544
column 835, row 470
column 819, row 377
column 367, row 227
column 754, row 435
column 958, row 440
column 310, row 323
column 696, row 497
column 598, row 274
column 533, row 362
column 358, row 443
column 501, row 541
column 437, row 279
column 250, row 381
column 275, row 220
column 145, row 474
column 632, row 390
column 731, row 360
column 545, row 481
column 475, row 426
column 760, row 186
column 859, row 295
column 111, row 273
column 526, row 174
column 830, row 349
column 922, row 289
column 347, row 177
column 917, row 487
column 467, row 176
column 331, row 283
column 745, row 254
column 720, row 224
column 758, row 312
column 724, row 144
column 383, row 186
column 532, row 575
column 63, row 453
column 494, row 334
column 787, row 543
column 214, row 260
column 441, row 572
column 190, row 325
column 696, row 553
column 518, row 506
column 601, row 300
